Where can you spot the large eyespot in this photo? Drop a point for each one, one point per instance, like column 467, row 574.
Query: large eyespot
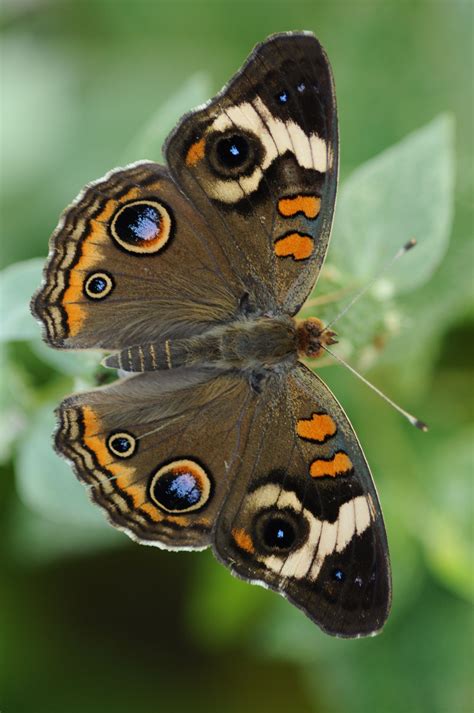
column 142, row 227
column 98, row 285
column 233, row 153
column 122, row 444
column 279, row 530
column 180, row 487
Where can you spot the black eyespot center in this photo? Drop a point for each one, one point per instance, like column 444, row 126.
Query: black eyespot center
column 278, row 530
column 232, row 151
column 279, row 533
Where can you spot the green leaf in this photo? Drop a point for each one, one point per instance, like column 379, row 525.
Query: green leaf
column 148, row 143
column 221, row 608
column 18, row 282
column 13, row 397
column 34, row 539
column 428, row 314
column 405, row 192
column 447, row 523
column 75, row 363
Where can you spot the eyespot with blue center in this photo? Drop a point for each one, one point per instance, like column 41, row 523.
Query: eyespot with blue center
column 98, row 285
column 180, row 486
column 233, row 153
column 142, row 227
column 278, row 531
column 122, row 444
column 279, row 534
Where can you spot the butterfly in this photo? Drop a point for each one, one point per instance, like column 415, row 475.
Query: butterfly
column 189, row 275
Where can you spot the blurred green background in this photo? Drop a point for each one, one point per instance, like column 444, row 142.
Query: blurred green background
column 90, row 621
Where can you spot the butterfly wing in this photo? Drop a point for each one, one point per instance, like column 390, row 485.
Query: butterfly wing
column 245, row 213
column 158, row 452
column 275, row 479
column 132, row 259
column 303, row 516
column 260, row 160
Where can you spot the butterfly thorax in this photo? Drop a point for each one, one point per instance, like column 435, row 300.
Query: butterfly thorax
column 247, row 343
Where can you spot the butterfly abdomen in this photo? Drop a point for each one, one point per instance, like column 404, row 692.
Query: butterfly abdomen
column 244, row 344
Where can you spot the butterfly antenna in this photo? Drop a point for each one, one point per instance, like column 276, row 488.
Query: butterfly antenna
column 403, row 250
column 414, row 421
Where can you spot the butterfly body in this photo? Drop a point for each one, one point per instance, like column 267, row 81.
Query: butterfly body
column 190, row 276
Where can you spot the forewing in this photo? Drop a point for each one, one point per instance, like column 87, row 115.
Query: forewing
column 132, row 259
column 260, row 160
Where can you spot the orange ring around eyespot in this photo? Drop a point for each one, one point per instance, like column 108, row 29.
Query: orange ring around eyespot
column 148, row 245
column 182, row 467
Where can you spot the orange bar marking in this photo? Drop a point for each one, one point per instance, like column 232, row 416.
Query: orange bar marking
column 296, row 245
column 317, row 428
column 243, row 540
column 195, row 152
column 97, row 444
column 340, row 464
column 91, row 256
column 308, row 205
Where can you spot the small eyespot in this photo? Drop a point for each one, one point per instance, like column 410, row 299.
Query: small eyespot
column 142, row 227
column 98, row 285
column 282, row 97
column 338, row 575
column 122, row 444
column 301, row 87
column 180, row 487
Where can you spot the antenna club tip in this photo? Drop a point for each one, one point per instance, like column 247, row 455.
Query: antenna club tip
column 421, row 425
column 410, row 244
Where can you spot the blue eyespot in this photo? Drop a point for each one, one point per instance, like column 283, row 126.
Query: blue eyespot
column 301, row 87
column 283, row 97
column 142, row 227
column 137, row 223
column 338, row 575
column 180, row 486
